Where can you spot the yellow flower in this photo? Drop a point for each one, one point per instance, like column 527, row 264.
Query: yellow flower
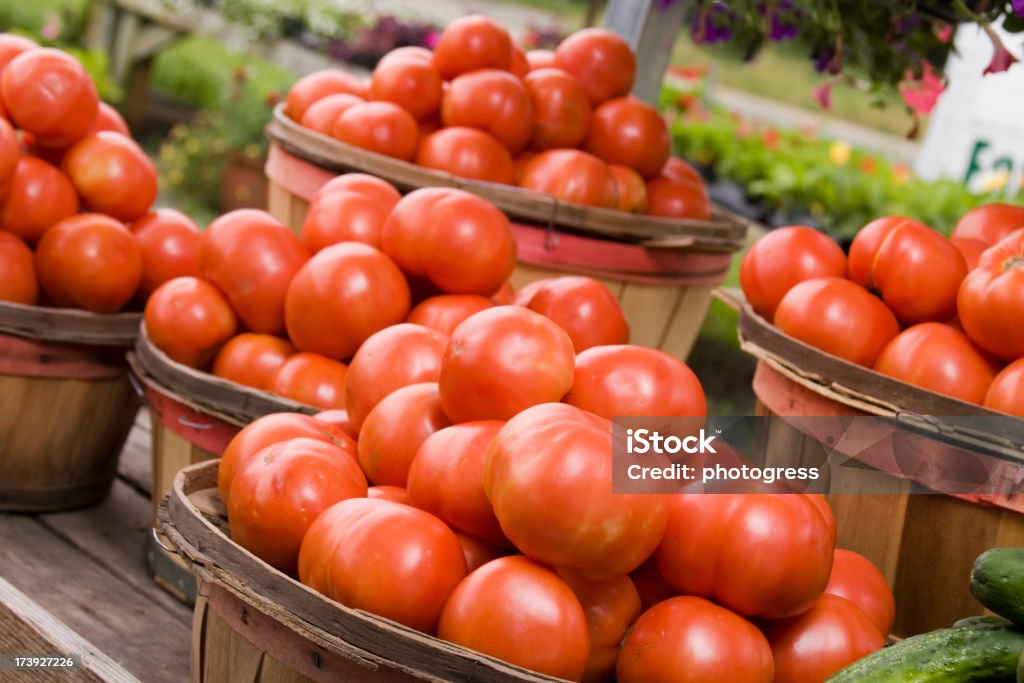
column 192, row 146
column 995, row 181
column 839, row 153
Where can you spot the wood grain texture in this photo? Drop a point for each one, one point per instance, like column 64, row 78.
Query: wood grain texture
column 45, row 323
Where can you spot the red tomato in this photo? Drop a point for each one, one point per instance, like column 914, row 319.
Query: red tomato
column 502, row 361
column 467, row 153
column 505, row 295
column 677, row 169
column 251, row 257
column 12, row 45
column 611, row 607
column 812, row 646
column 572, row 176
column 991, row 299
column 970, row 249
column 267, row 431
column 492, row 100
column 446, row 479
column 517, row 62
column 522, row 612
column 188, row 319
column 525, row 295
column 388, row 360
column 381, row 127
column 718, row 547
column 409, row 81
column 458, row 241
column 630, row 132
column 989, row 222
column 395, row 494
column 48, row 93
column 169, row 242
column 691, row 640
column 938, row 358
column 18, row 284
column 447, row 311
column 379, row 190
column 1006, row 394
column 855, row 578
column 556, row 452
column 634, row 380
column 343, row 216
column 112, row 175
column 786, row 257
column 90, row 261
column 601, row 60
column 651, row 585
column 338, row 419
column 389, row 559
column 323, row 114
column 585, row 309
column 540, row 59
column 670, row 198
column 252, row 359
column 561, row 106
column 10, row 152
column 838, row 317
column 341, row 296
column 108, row 119
column 319, row 85
column 277, row 494
column 631, row 189
column 866, row 244
column 470, row 43
column 311, row 379
column 38, row 197
column 519, row 162
column 477, row 552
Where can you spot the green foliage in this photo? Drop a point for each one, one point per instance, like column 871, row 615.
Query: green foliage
column 55, row 21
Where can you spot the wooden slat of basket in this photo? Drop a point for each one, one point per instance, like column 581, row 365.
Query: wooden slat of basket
column 69, row 325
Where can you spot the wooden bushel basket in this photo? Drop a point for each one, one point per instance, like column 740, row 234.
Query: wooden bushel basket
column 925, row 544
column 661, row 270
column 66, row 405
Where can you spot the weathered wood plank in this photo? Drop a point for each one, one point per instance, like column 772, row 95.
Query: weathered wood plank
column 135, row 466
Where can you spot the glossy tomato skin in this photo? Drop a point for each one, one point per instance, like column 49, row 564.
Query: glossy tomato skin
column 651, row 585
column 632, row 190
column 855, row 578
column 39, row 196
column 611, row 607
column 445, row 312
column 991, row 300
column 320, row 84
column 561, row 108
column 866, row 244
column 343, row 216
column 49, row 94
column 520, row 611
column 812, row 646
column 585, row 309
column 312, row 379
column 476, row 552
column 381, row 127
column 169, row 241
column 410, row 81
column 338, row 420
column 344, row 294
column 280, row 491
column 12, row 45
column 470, row 43
column 17, row 264
column 502, row 361
column 371, row 186
column 621, row 380
column 467, row 153
column 784, row 258
column 251, row 359
column 90, row 261
column 717, row 547
column 677, row 169
column 189, row 319
column 109, row 119
column 989, row 222
column 838, row 317
column 601, row 60
column 939, row 358
column 10, row 152
column 558, row 452
column 572, row 176
column 112, row 175
column 690, row 640
column 494, row 101
column 1006, row 394
column 670, row 198
column 540, row 59
column 971, row 249
column 630, row 132
column 323, row 114
column 395, row 494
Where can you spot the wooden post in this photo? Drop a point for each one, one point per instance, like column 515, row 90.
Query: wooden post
column 650, row 27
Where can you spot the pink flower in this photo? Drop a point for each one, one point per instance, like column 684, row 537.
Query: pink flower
column 944, row 32
column 823, row 94
column 431, row 39
column 51, row 27
column 1001, row 57
column 922, row 93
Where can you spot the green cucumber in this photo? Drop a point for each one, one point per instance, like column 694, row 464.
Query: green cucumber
column 997, row 581
column 986, row 651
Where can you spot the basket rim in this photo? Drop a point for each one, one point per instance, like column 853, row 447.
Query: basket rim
column 44, row 323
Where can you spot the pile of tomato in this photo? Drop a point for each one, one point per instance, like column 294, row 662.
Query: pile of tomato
column 943, row 314
column 559, row 122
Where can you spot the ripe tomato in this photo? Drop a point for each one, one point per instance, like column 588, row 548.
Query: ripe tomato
column 344, row 216
column 38, row 197
column 520, row 161
column 252, row 258
column 169, row 242
column 970, row 249
column 855, row 578
column 1006, row 394
column 634, row 380
column 323, row 114
column 557, row 452
column 520, row 611
column 561, row 107
column 311, row 379
column 467, row 153
column 318, row 85
column 502, row 361
column 691, row 640
column 341, row 296
column 379, row 190
column 786, row 257
column 470, row 43
column 188, row 319
column 812, row 646
column 631, row 189
column 10, row 152
column 572, row 176
column 630, row 132
column 601, row 60
column 277, row 494
column 670, row 198
column 12, row 45
column 395, row 494
column 492, row 100
column 677, row 169
column 505, row 295
column 541, row 59
column 108, row 119
column 611, row 607
column 517, row 62
column 458, row 241
column 939, row 358
column 411, row 82
column 585, row 309
column 991, row 299
column 989, row 222
column 761, row 555
column 112, row 175
column 389, row 559
column 866, row 244
column 338, row 420
column 252, row 359
column 269, row 430
column 90, row 261
column 381, row 127
column 48, row 93
column 651, row 585
column 838, row 317
column 525, row 295
column 445, row 312
column 477, row 552
column 18, row 266
column 446, row 479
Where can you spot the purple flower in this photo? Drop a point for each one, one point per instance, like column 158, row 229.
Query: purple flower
column 1018, row 7
column 712, row 25
column 782, row 20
